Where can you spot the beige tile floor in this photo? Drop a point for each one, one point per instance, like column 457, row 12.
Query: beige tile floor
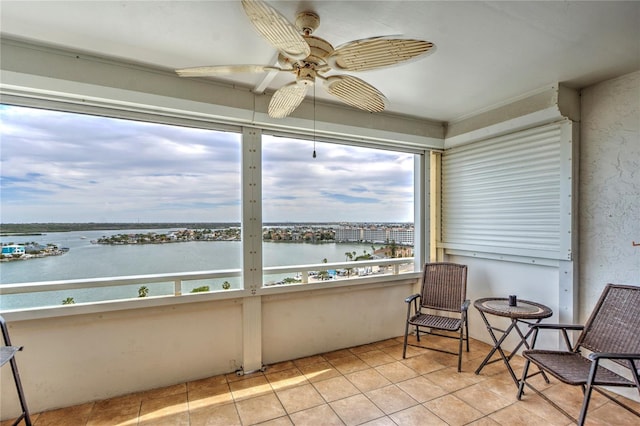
column 365, row 385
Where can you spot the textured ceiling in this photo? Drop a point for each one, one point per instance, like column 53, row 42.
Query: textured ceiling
column 488, row 53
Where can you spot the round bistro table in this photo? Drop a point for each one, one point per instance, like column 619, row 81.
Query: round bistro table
column 525, row 312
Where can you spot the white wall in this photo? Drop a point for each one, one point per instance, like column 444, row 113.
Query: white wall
column 495, row 278
column 71, row 360
column 301, row 324
column 609, row 187
column 80, row 358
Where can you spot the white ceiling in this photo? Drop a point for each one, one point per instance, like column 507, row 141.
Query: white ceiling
column 487, row 53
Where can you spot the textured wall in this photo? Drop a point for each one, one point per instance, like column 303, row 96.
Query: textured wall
column 609, row 187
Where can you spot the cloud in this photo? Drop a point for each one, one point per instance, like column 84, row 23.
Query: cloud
column 62, row 167
column 349, row 199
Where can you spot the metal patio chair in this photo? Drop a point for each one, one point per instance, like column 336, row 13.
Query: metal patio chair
column 443, row 290
column 611, row 335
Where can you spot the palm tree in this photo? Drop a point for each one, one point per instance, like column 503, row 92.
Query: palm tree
column 323, row 275
column 394, row 249
column 349, row 257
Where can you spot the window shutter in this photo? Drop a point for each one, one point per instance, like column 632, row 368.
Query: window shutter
column 504, row 195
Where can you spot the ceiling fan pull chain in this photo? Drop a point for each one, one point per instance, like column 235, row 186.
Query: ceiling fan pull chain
column 314, row 121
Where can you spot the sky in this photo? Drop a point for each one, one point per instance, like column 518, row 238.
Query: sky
column 63, row 167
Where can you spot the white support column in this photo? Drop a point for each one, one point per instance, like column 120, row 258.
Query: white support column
column 251, row 334
column 252, row 249
column 568, row 269
column 434, row 207
column 421, row 210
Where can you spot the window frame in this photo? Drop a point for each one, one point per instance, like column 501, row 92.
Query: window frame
column 251, row 192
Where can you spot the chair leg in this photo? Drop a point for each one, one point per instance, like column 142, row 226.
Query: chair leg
column 525, row 371
column 466, row 323
column 404, row 348
column 585, row 405
column 23, row 403
column 460, row 349
column 586, row 390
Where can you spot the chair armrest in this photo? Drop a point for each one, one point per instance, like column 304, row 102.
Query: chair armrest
column 557, row 326
column 411, row 298
column 562, row 327
column 611, row 355
column 465, row 305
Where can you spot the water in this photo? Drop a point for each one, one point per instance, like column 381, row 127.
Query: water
column 87, row 260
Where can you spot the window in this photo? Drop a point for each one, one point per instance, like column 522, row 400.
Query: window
column 128, row 197
column 88, row 196
column 349, row 203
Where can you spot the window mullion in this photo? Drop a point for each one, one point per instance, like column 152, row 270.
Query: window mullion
column 252, row 209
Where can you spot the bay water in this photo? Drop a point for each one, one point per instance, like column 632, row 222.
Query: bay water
column 89, row 260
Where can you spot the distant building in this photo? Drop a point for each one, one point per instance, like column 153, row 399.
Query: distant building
column 375, row 235
column 348, row 233
column 403, row 235
column 12, row 249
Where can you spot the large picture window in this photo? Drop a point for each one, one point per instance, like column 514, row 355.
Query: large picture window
column 118, row 197
column 140, row 209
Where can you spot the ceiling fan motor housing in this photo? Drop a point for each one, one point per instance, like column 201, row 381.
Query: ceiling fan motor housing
column 307, row 22
column 320, row 50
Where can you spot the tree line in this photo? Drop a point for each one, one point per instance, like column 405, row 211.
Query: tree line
column 35, row 228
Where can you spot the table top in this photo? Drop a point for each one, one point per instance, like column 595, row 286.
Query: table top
column 524, row 309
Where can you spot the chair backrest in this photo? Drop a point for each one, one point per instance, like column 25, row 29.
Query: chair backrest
column 614, row 324
column 444, row 286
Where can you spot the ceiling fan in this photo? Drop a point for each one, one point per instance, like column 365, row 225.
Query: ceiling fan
column 310, row 58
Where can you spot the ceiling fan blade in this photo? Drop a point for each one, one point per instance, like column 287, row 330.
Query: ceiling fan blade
column 355, row 92
column 286, row 99
column 376, row 52
column 276, row 29
column 214, row 70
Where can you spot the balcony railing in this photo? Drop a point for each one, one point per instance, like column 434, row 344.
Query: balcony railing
column 171, row 285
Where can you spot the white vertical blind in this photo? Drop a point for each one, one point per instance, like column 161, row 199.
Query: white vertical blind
column 503, row 195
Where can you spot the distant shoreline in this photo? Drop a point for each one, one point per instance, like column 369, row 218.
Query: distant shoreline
column 8, row 229
column 20, row 229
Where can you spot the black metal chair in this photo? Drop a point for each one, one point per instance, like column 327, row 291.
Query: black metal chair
column 7, row 354
column 444, row 290
column 611, row 334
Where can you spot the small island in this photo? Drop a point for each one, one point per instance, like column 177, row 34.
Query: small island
column 32, row 250
column 297, row 234
column 183, row 235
